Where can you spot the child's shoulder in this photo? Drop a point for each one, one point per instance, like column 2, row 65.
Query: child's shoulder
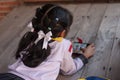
column 66, row 42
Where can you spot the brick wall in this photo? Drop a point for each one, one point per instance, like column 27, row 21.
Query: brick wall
column 74, row 1
column 6, row 6
column 35, row 1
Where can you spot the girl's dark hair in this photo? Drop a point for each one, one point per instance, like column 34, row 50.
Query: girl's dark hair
column 47, row 18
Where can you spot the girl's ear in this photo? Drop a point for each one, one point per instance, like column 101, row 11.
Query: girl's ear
column 63, row 33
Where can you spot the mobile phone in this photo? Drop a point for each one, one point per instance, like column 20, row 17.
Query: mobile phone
column 77, row 47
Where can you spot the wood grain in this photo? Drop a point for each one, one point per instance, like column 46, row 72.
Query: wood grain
column 90, row 28
column 8, row 55
column 104, row 42
column 114, row 64
column 13, row 24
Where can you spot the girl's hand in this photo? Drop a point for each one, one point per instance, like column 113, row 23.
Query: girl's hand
column 89, row 51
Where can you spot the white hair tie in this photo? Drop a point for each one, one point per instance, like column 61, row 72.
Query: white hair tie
column 47, row 38
column 30, row 26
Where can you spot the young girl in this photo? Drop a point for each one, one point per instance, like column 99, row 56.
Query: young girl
column 43, row 52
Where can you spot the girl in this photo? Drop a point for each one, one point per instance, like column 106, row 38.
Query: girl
column 43, row 52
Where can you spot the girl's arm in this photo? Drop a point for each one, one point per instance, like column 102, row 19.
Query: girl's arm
column 70, row 66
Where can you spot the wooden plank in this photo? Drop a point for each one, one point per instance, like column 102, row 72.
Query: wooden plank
column 90, row 26
column 78, row 18
column 114, row 65
column 99, row 63
column 14, row 16
column 8, row 56
column 13, row 24
column 80, row 10
column 113, row 10
column 70, row 7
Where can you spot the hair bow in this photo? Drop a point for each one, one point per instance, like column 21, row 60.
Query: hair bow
column 47, row 37
column 41, row 34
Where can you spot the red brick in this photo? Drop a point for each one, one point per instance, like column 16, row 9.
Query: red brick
column 3, row 14
column 5, row 8
column 1, row 17
column 44, row 0
column 12, row 3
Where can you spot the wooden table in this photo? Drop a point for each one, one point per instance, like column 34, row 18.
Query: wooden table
column 94, row 23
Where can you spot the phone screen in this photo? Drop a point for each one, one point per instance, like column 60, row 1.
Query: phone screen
column 77, row 47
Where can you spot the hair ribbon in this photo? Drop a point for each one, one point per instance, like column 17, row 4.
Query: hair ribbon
column 47, row 38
